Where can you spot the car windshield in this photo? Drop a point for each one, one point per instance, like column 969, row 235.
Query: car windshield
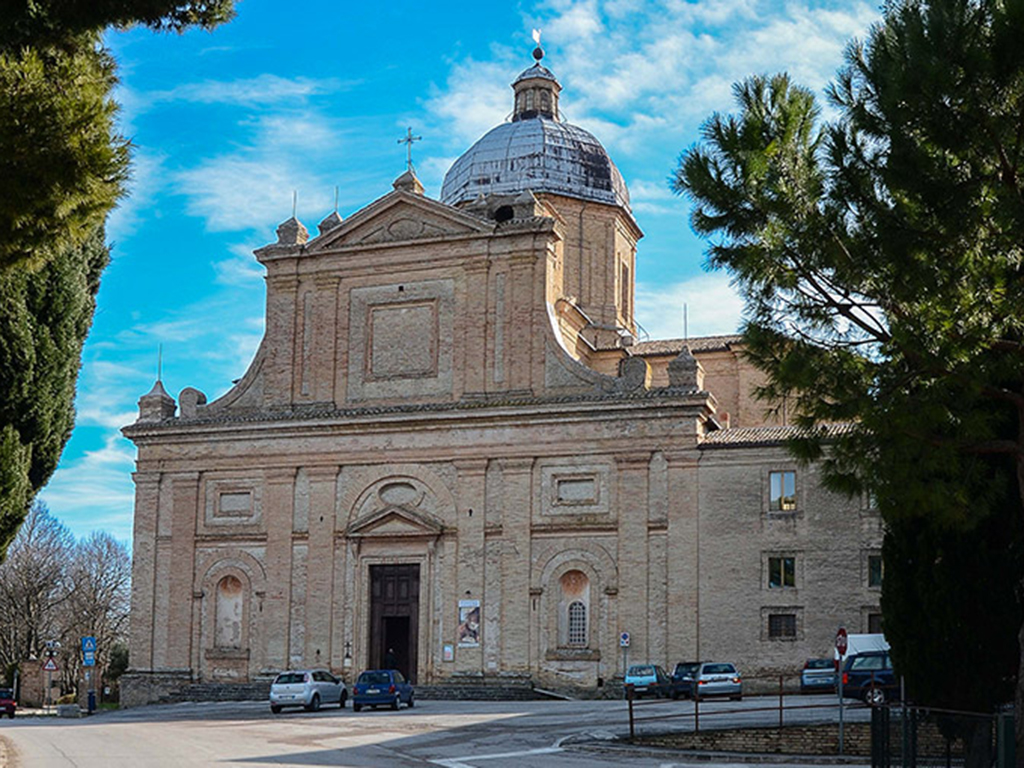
column 819, row 664
column 719, row 669
column 868, row 662
column 641, row 671
column 686, row 669
column 6, row 693
column 290, row 678
column 375, row 678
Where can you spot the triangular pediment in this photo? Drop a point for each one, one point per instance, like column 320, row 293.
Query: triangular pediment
column 393, row 522
column 399, row 217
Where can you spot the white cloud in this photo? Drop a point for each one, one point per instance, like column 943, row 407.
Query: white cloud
column 147, row 181
column 96, row 491
column 265, row 89
column 713, row 307
column 475, row 98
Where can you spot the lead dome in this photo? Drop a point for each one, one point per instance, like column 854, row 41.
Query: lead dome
column 536, row 151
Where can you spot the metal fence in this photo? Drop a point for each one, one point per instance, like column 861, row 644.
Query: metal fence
column 892, row 734
column 909, row 736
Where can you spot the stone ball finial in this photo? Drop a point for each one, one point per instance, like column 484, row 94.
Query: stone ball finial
column 538, row 54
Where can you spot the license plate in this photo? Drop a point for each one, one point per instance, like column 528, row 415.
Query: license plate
column 373, row 690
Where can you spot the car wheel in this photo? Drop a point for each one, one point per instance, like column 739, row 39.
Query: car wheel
column 314, row 704
column 356, row 707
column 275, row 708
column 342, row 700
column 394, row 704
column 737, row 697
column 675, row 695
column 874, row 697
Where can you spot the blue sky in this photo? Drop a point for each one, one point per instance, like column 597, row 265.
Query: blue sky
column 311, row 95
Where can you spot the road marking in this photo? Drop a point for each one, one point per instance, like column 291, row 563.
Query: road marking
column 457, row 762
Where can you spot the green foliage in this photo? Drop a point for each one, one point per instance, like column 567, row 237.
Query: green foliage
column 44, row 319
column 63, row 167
column 954, row 644
column 63, row 164
column 52, row 22
column 118, row 662
column 881, row 257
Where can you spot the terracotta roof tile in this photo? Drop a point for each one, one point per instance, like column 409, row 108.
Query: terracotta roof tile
column 749, row 436
column 675, row 346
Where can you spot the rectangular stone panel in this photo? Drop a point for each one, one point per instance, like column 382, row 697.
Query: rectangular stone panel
column 402, row 341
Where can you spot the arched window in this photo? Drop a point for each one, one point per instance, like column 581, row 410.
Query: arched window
column 228, row 632
column 577, row 624
column 574, row 610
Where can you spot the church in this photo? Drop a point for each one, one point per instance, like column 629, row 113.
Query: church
column 452, row 450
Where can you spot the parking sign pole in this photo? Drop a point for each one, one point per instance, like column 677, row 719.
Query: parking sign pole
column 841, row 646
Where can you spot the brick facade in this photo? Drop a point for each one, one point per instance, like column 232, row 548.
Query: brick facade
column 458, row 388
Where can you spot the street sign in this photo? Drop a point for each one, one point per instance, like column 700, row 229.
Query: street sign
column 49, row 665
column 624, row 640
column 88, row 644
column 89, row 659
column 841, row 641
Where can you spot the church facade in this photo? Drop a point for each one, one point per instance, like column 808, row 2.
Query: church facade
column 452, row 450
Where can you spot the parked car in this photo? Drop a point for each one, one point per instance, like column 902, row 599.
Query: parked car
column 379, row 687
column 682, row 679
column 818, row 675
column 309, row 688
column 870, row 676
column 714, row 678
column 7, row 702
column 648, row 680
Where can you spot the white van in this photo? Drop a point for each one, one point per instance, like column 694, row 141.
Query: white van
column 859, row 644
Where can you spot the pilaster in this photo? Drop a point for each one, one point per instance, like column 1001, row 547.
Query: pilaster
column 278, row 514
column 184, row 509
column 320, row 563
column 147, row 500
column 632, row 484
column 684, row 563
column 515, row 564
column 470, row 556
column 282, row 291
column 325, row 335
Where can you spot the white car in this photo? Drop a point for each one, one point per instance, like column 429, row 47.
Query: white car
column 308, row 688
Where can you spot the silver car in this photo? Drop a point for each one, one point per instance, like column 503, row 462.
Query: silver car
column 308, row 688
column 714, row 678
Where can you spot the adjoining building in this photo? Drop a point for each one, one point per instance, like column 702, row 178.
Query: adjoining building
column 452, row 447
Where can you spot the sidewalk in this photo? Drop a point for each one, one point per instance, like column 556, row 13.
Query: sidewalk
column 681, row 757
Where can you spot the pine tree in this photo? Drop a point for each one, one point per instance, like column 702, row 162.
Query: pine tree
column 881, row 257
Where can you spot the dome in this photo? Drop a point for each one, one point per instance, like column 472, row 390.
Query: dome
column 536, row 151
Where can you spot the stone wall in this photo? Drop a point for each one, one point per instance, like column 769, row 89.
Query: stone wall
column 140, row 688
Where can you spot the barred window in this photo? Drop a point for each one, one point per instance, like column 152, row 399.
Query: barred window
column 577, row 623
column 781, row 625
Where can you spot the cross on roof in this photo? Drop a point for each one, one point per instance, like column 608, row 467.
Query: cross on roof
column 408, row 139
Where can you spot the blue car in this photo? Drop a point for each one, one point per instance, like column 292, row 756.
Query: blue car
column 381, row 687
column 870, row 676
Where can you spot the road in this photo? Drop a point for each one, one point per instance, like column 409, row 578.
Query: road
column 462, row 734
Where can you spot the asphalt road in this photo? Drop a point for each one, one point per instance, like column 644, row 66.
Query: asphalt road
column 462, row 734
